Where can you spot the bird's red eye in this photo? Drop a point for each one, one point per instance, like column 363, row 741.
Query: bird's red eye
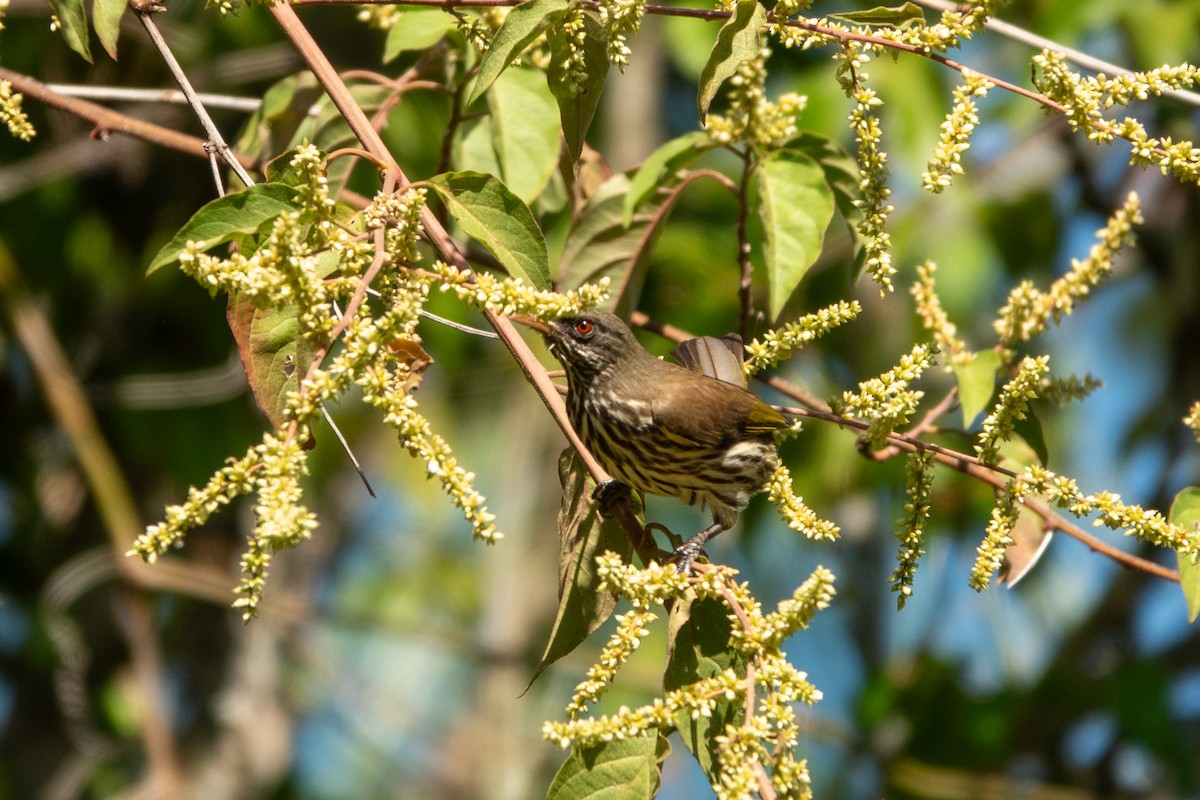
column 584, row 327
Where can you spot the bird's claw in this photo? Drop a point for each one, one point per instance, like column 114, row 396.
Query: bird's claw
column 609, row 493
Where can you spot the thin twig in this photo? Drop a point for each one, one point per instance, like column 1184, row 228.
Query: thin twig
column 1018, row 34
column 107, row 120
column 210, row 127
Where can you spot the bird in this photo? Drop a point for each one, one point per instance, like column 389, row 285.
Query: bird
column 662, row 428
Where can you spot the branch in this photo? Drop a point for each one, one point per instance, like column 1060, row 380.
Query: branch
column 109, row 121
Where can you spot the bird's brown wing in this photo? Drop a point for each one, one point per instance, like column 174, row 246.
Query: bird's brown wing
column 706, row 411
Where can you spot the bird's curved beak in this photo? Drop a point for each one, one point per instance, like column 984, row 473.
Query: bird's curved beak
column 529, row 322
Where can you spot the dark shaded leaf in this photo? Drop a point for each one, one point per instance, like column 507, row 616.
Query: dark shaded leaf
column 74, row 26
column 577, row 105
column 698, row 647
column 583, row 534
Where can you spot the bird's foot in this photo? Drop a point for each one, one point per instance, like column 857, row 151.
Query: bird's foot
column 689, row 551
column 609, row 493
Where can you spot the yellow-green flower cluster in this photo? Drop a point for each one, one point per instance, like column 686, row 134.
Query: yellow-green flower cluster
column 761, row 745
column 632, row 628
column 400, row 213
column 1086, row 99
column 1192, row 420
column 872, row 165
column 621, row 20
column 1029, row 311
column 270, row 469
column 794, row 512
column 955, row 138
column 934, row 318
column 13, row 115
column 919, row 494
column 388, row 391
column 766, row 633
column 280, row 520
column 751, row 117
column 1012, row 407
column 510, row 296
column 948, row 32
column 997, row 539
column 778, row 345
column 789, row 35
column 574, row 31
column 1146, row 525
column 888, row 401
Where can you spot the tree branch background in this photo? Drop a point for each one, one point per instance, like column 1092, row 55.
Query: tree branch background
column 392, row 649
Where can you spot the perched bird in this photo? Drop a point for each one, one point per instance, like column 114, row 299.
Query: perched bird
column 661, row 428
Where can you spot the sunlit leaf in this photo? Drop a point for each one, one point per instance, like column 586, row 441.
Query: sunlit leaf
column 976, row 383
column 883, row 16
column 489, row 213
column 473, row 149
column 417, row 29
column 525, row 130
column 228, row 217
column 623, row 769
column 106, row 17
column 1185, row 512
column 522, row 25
column 737, row 41
column 795, row 205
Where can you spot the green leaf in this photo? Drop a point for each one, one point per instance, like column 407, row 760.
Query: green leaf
column 73, row 19
column 227, row 218
column 795, row 205
column 736, row 42
column 525, row 130
column 284, row 108
column 523, row 24
column 601, row 245
column 1185, row 512
column 417, row 29
column 106, row 17
column 623, row 769
column 273, row 353
column 583, row 534
column 661, row 166
column 488, row 212
column 976, row 383
column 699, row 647
column 883, row 16
column 577, row 105
column 473, row 149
